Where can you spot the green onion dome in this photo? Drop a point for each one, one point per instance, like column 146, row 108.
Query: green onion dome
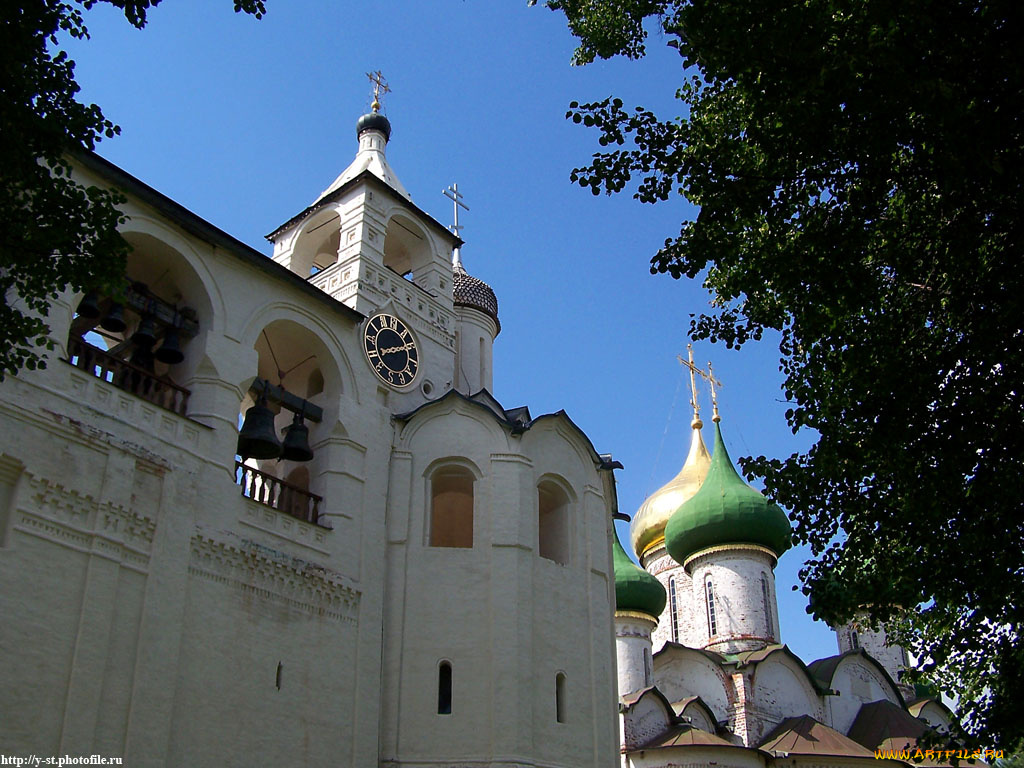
column 725, row 511
column 635, row 589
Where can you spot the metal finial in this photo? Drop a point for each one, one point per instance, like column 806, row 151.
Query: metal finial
column 696, row 423
column 453, row 194
column 380, row 85
column 714, row 393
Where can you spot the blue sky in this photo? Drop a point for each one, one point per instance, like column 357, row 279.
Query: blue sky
column 245, row 122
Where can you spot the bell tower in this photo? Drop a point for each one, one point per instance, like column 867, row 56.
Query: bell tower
column 365, row 242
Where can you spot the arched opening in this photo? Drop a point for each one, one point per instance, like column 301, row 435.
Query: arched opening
column 144, row 340
column 553, row 522
column 444, row 688
column 406, row 249
column 451, row 507
column 294, row 372
column 560, row 705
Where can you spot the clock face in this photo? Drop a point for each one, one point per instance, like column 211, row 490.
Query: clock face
column 391, row 350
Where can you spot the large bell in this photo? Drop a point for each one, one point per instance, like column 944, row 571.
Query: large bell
column 89, row 306
column 296, row 441
column 256, row 438
column 145, row 334
column 114, row 321
column 170, row 351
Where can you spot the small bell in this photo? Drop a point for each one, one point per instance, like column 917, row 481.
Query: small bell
column 145, row 334
column 296, row 441
column 256, row 438
column 170, row 351
column 114, row 321
column 89, row 306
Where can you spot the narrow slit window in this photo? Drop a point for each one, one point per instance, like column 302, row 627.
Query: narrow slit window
column 854, row 641
column 712, row 618
column 765, row 596
column 444, row 688
column 673, row 623
column 560, row 697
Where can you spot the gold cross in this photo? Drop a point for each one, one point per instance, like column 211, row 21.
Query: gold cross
column 694, row 371
column 714, row 393
column 380, row 85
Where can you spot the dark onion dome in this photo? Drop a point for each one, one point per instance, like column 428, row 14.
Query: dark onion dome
column 468, row 291
column 374, row 121
column 635, row 589
column 725, row 511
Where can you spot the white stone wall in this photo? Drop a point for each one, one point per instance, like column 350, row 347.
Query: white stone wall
column 152, row 612
column 742, row 623
column 474, row 354
column 633, row 657
column 857, row 634
column 676, row 581
column 858, row 682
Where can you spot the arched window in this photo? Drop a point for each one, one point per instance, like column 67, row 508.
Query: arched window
column 444, row 688
column 854, row 641
column 451, row 508
column 553, row 523
column 560, row 697
column 712, row 618
column 673, row 624
column 765, row 597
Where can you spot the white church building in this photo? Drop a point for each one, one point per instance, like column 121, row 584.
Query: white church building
column 265, row 511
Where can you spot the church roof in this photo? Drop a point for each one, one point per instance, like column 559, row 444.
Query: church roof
column 687, row 736
column 469, row 291
column 884, row 725
column 725, row 511
column 803, row 735
column 647, row 529
column 370, row 157
column 635, row 588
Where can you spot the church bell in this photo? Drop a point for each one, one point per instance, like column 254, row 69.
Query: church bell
column 145, row 335
column 89, row 306
column 296, row 441
column 114, row 321
column 170, row 351
column 256, row 438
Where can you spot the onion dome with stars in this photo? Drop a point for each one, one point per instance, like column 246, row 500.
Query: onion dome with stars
column 469, row 291
column 725, row 511
column 636, row 590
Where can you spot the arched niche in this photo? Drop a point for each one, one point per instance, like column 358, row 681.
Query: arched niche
column 554, row 519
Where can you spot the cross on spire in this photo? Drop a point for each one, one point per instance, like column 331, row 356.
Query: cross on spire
column 380, row 86
column 714, row 393
column 694, row 372
column 453, row 194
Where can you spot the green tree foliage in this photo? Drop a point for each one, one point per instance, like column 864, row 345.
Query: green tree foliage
column 54, row 232
column 857, row 167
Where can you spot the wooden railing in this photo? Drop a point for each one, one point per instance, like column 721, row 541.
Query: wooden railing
column 128, row 376
column 277, row 493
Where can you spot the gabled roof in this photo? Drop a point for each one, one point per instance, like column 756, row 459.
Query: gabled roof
column 824, row 670
column 687, row 736
column 670, row 647
column 804, row 735
column 884, row 725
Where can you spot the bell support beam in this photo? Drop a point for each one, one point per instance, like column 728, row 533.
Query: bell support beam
column 286, row 399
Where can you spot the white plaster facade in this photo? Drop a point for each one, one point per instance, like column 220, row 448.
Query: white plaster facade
column 154, row 612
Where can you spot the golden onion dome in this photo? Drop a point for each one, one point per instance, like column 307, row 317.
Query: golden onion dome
column 647, row 529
